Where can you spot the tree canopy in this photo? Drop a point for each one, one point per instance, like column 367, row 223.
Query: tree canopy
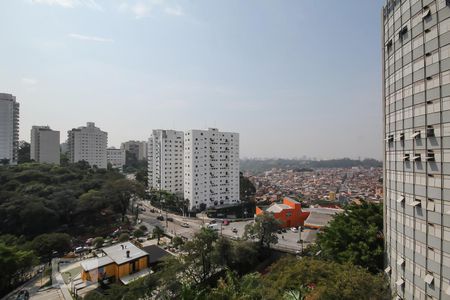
column 41, row 198
column 264, row 229
column 355, row 236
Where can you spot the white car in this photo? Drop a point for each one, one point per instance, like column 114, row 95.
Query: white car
column 185, row 225
column 293, row 229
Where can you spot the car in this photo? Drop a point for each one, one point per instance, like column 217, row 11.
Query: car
column 152, row 210
column 293, row 229
column 234, row 230
column 213, row 221
column 79, row 250
column 214, row 227
column 170, row 219
column 23, row 295
column 279, row 231
column 226, row 222
column 160, row 217
column 283, row 230
column 143, row 209
column 185, row 225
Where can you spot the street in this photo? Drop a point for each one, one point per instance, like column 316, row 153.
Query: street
column 287, row 241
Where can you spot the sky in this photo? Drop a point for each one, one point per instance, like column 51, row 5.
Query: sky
column 295, row 77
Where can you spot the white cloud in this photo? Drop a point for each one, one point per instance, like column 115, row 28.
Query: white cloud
column 29, row 81
column 174, row 10
column 92, row 4
column 143, row 8
column 140, row 9
column 65, row 3
column 90, row 38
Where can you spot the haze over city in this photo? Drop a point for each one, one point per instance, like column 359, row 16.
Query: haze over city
column 277, row 72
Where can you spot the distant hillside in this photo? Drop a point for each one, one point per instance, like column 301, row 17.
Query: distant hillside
column 262, row 165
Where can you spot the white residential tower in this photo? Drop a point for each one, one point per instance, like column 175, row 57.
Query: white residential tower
column 165, row 161
column 88, row 144
column 211, row 168
column 9, row 128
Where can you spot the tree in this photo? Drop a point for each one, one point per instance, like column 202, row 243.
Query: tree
column 14, row 263
column 177, row 241
column 138, row 233
column 124, row 237
column 264, row 229
column 121, row 191
column 45, row 244
column 157, row 233
column 23, row 154
column 320, row 279
column 233, row 287
column 247, row 189
column 194, row 267
column 355, row 236
column 98, row 242
column 142, row 177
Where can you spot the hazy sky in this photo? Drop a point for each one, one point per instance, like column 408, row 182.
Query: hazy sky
column 294, row 78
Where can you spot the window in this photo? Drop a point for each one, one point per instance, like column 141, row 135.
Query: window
column 445, row 77
column 431, row 34
column 416, row 20
column 407, row 91
column 432, row 82
column 419, row 86
column 417, row 42
column 418, row 64
column 407, row 48
column 445, row 52
column 444, row 26
column 432, row 58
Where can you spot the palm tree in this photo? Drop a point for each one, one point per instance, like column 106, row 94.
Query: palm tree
column 157, row 232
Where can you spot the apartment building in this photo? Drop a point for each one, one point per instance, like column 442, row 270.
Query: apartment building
column 115, row 157
column 44, row 146
column 9, row 128
column 416, row 104
column 88, row 143
column 136, row 148
column 165, row 161
column 211, row 168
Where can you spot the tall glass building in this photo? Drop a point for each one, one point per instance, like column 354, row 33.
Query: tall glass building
column 416, row 95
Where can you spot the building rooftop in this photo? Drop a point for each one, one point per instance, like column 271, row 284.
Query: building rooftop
column 95, row 263
column 276, row 208
column 118, row 252
column 156, row 253
column 316, row 219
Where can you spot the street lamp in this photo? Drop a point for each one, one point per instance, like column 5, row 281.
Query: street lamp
column 300, row 239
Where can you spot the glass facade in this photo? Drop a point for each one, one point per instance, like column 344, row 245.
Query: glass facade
column 416, row 104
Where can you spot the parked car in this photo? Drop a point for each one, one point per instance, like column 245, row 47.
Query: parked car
column 185, row 225
column 226, row 222
column 143, row 209
column 234, row 230
column 279, row 231
column 283, row 230
column 214, row 227
column 170, row 219
column 293, row 229
column 160, row 217
column 152, row 210
column 213, row 221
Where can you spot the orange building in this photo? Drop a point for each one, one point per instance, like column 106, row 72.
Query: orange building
column 289, row 213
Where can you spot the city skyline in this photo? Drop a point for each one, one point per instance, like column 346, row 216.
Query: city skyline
column 181, row 65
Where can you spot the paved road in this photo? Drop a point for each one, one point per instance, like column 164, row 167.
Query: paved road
column 287, row 240
column 149, row 219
